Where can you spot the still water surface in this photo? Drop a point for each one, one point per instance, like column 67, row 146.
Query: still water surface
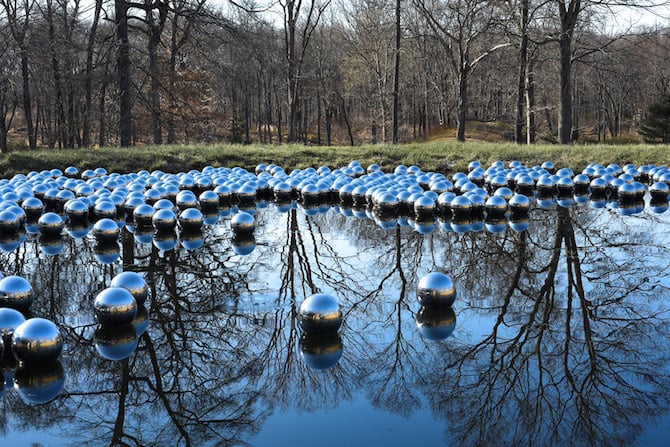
column 560, row 335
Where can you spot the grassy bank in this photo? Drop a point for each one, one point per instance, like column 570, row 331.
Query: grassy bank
column 429, row 156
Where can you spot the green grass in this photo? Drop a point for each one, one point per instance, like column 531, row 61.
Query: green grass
column 435, row 156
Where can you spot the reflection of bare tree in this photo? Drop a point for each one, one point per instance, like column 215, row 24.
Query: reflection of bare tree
column 563, row 372
column 560, row 337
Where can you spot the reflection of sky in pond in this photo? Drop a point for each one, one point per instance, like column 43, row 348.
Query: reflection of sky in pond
column 561, row 336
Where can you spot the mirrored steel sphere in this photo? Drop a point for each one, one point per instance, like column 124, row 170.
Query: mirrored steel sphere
column 16, row 292
column 76, row 210
column 114, row 306
column 143, row 214
column 519, row 204
column 37, row 340
column 134, row 283
column 33, row 208
column 39, row 384
column 50, row 224
column 243, row 222
column 106, row 230
column 461, row 206
column 209, row 200
column 9, row 222
column 191, row 219
column 71, row 171
column 495, row 206
column 436, row 290
column 424, row 206
column 627, row 192
column 436, row 323
column 321, row 351
column 115, row 342
column 320, row 313
column 104, row 209
column 10, row 319
column 164, row 220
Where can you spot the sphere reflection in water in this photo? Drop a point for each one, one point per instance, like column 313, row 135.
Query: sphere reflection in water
column 320, row 313
column 436, row 290
column 39, row 384
column 134, row 283
column 106, row 252
column 115, row 342
column 51, row 245
column 141, row 320
column 192, row 240
column 321, row 351
column 243, row 243
column 16, row 292
column 115, row 306
column 10, row 319
column 165, row 240
column 436, row 323
column 37, row 340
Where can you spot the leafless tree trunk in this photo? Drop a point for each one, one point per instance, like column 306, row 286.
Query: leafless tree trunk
column 123, row 73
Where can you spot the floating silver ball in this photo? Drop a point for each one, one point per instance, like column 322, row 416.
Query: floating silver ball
column 461, row 206
column 627, row 192
column 106, row 230
column 16, row 292
column 320, row 313
column 321, row 351
column 114, row 306
column 565, row 185
column 76, row 209
column 9, row 222
column 519, row 204
column 164, row 220
column 209, row 200
column 243, row 222
column 186, row 199
column 37, row 340
column 436, row 323
column 599, row 187
column 39, row 384
column 191, row 219
column 104, row 209
column 10, row 319
column 115, row 342
column 436, row 290
column 388, row 203
column 143, row 214
column 495, row 206
column 546, row 185
column 163, row 204
column 50, row 224
column 71, row 171
column 424, row 206
column 33, row 208
column 504, row 192
column 134, row 283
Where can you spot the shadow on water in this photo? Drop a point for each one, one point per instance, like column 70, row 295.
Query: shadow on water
column 560, row 332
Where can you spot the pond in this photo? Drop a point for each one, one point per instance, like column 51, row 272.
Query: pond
column 558, row 335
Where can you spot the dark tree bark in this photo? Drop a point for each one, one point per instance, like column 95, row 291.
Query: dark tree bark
column 521, row 86
column 123, row 74
column 568, row 18
column 396, row 71
column 88, row 79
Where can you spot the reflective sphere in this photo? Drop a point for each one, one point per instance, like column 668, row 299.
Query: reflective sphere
column 16, row 292
column 50, row 223
column 133, row 283
column 436, row 290
column 243, row 222
column 164, row 220
column 115, row 342
column 114, row 306
column 424, row 206
column 191, row 219
column 519, row 204
column 106, row 230
column 9, row 222
column 39, row 384
column 104, row 209
column 10, row 319
column 33, row 208
column 143, row 214
column 461, row 206
column 436, row 323
column 209, row 199
column 37, row 340
column 321, row 351
column 320, row 313
column 495, row 206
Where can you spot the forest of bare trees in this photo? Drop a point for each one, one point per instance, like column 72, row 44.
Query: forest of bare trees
column 81, row 73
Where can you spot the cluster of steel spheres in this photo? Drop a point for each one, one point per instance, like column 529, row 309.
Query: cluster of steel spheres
column 436, row 318
column 30, row 347
column 121, row 315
